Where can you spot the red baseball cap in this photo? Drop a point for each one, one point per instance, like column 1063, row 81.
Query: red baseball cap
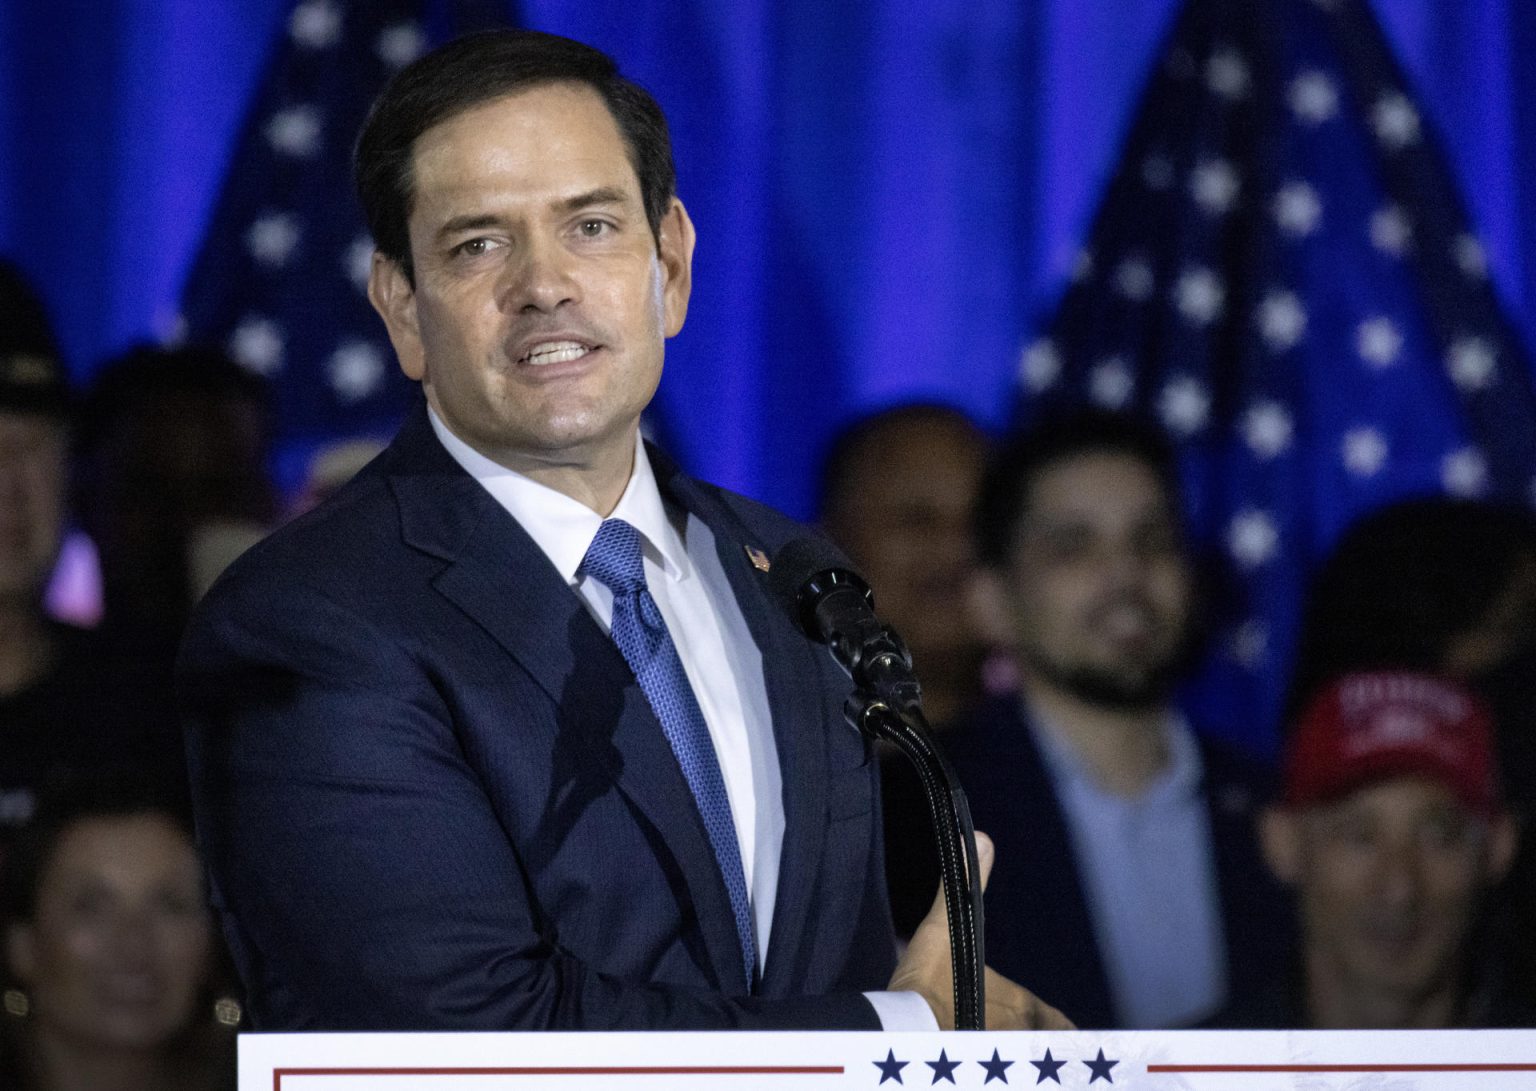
column 1374, row 726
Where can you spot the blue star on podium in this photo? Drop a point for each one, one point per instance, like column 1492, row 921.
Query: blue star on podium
column 1048, row 1068
column 1100, row 1069
column 997, row 1068
column 943, row 1068
column 890, row 1068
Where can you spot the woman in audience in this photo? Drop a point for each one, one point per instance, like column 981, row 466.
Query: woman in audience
column 109, row 950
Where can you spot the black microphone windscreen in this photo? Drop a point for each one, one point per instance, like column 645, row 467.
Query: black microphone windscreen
column 794, row 565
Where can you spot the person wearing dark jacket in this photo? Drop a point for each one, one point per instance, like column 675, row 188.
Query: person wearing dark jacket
column 1129, row 886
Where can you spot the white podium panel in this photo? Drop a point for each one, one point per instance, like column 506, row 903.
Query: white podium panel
column 1498, row 1060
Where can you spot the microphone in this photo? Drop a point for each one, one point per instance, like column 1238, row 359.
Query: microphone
column 833, row 604
column 830, row 601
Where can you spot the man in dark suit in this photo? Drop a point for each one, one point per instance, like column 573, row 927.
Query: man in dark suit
column 508, row 734
column 1130, row 878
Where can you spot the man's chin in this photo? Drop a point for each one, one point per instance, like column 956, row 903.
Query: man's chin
column 1124, row 691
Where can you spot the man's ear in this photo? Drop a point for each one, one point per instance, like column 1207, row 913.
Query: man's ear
column 1280, row 838
column 675, row 247
column 392, row 295
column 1503, row 840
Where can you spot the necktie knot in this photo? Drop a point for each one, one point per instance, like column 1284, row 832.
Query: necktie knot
column 614, row 558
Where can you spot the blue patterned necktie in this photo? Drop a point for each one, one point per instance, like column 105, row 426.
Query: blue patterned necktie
column 614, row 560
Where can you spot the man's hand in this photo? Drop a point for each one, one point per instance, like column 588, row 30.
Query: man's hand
column 926, row 969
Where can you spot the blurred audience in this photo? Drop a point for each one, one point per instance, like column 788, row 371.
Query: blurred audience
column 172, row 483
column 331, row 467
column 1446, row 586
column 109, row 950
column 897, row 492
column 1129, row 886
column 70, row 700
column 1391, row 831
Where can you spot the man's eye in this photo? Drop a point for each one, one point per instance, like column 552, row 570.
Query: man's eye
column 592, row 228
column 473, row 248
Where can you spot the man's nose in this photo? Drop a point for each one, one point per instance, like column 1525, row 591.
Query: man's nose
column 1125, row 565
column 540, row 278
column 1398, row 875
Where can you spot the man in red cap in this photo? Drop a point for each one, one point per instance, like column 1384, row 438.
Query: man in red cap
column 1391, row 830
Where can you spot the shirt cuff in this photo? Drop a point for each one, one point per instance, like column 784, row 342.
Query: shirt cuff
column 902, row 1011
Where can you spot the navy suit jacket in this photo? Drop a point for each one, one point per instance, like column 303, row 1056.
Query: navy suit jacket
column 1039, row 926
column 431, row 794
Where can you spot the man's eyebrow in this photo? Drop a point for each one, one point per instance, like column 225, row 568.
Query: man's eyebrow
column 474, row 221
column 468, row 222
column 603, row 195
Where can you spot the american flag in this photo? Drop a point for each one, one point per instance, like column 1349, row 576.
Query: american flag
column 1283, row 275
column 281, row 278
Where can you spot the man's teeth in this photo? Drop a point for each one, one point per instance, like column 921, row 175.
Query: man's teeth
column 556, row 352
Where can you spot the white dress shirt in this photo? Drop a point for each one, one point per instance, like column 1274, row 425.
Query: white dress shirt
column 719, row 655
column 1148, row 871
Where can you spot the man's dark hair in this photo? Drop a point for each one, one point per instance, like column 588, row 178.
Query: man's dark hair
column 32, row 377
column 147, row 373
column 1403, row 582
column 476, row 69
column 851, row 442
column 129, row 793
column 1010, row 478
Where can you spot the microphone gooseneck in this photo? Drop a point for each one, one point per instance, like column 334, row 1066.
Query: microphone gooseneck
column 833, row 605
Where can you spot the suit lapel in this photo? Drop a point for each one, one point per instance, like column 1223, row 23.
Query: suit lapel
column 790, row 674
column 499, row 578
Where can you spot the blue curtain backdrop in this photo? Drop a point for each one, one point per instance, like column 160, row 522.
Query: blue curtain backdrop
column 890, row 195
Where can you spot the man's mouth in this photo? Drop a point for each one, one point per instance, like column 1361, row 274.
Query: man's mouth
column 554, row 352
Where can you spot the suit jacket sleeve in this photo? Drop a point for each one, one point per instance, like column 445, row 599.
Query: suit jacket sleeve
column 361, row 873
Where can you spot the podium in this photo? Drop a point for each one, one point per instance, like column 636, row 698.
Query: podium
column 1463, row 1060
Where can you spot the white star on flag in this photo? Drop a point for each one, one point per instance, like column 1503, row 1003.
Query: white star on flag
column 1378, row 341
column 1471, row 362
column 1082, row 266
column 1111, row 383
column 1185, row 406
column 1133, row 279
column 1214, row 186
column 1226, row 73
column 272, row 238
column 257, row 345
column 356, row 370
column 1471, row 258
column 1199, row 296
column 1252, row 538
column 1040, row 365
column 295, row 131
column 1297, row 209
column 1395, row 121
column 1391, row 233
column 315, row 24
column 1267, row 429
column 1282, row 320
column 1250, row 642
column 1313, row 98
column 1364, row 451
column 358, row 261
column 1464, row 472
column 401, row 44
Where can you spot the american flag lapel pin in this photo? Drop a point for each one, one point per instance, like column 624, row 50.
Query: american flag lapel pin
column 758, row 558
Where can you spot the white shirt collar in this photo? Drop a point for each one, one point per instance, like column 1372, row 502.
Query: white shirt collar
column 1179, row 778
column 562, row 527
